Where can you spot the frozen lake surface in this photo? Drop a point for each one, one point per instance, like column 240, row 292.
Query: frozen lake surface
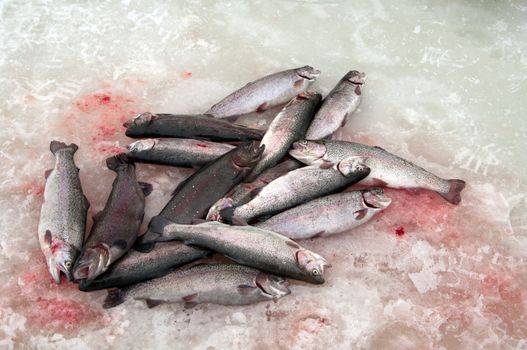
column 446, row 88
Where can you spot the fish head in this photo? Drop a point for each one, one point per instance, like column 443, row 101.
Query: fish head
column 62, row 258
column 248, row 154
column 374, row 198
column 141, row 145
column 308, row 152
column 355, row 77
column 140, row 122
column 308, row 73
column 91, row 263
column 354, row 166
column 312, row 264
column 273, row 287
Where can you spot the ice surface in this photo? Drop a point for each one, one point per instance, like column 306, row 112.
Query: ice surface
column 446, row 88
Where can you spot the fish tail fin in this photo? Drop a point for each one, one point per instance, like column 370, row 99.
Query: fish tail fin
column 227, row 214
column 454, row 193
column 55, row 146
column 160, row 225
column 119, row 161
column 114, row 298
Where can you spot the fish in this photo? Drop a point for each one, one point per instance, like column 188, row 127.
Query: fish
column 194, row 196
column 264, row 93
column 176, row 152
column 251, row 246
column 328, row 215
column 116, row 227
column 387, row 169
column 63, row 213
column 245, row 191
column 137, row 267
column 224, row 284
column 288, row 126
column 338, row 105
column 297, row 187
column 190, row 127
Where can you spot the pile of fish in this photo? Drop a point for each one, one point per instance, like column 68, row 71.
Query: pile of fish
column 256, row 196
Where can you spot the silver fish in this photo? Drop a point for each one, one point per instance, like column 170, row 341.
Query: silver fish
column 205, row 283
column 115, row 229
column 338, row 105
column 288, row 126
column 176, row 152
column 386, row 169
column 251, row 246
column 137, row 267
column 63, row 213
column 298, row 186
column 328, row 215
column 266, row 92
column 246, row 191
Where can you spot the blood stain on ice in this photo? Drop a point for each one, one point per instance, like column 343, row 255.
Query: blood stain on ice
column 186, row 74
column 399, row 231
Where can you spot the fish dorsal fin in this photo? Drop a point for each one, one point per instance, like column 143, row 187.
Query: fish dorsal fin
column 379, row 148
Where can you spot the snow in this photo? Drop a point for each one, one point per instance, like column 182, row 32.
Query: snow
column 446, row 89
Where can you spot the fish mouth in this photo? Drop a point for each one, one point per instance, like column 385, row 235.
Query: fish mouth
column 91, row 263
column 142, row 145
column 249, row 154
column 307, row 72
column 308, row 152
column 273, row 287
column 356, row 77
column 375, row 199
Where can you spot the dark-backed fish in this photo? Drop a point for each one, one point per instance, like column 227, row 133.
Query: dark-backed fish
column 116, row 227
column 190, row 127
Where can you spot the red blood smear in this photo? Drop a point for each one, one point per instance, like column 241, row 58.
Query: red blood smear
column 399, row 231
column 111, row 150
column 201, row 145
column 35, row 188
column 186, row 75
column 61, row 314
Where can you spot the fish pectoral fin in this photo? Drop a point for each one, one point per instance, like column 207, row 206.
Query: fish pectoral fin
column 245, row 289
column 146, row 188
column 379, row 148
column 190, row 300
column 360, row 214
column 326, row 165
column 119, row 244
column 234, row 259
column 47, row 173
column 292, row 244
column 261, row 107
column 150, row 303
column 47, row 237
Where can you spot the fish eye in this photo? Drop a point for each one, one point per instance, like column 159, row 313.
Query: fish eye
column 315, row 272
column 67, row 264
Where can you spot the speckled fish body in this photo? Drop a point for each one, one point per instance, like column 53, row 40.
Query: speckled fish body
column 63, row 213
column 205, row 283
column 137, row 267
column 116, row 227
column 194, row 196
column 266, row 92
column 251, row 246
column 189, row 126
column 387, row 169
column 296, row 187
column 338, row 105
column 245, row 191
column 176, row 152
column 328, row 215
column 288, row 126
